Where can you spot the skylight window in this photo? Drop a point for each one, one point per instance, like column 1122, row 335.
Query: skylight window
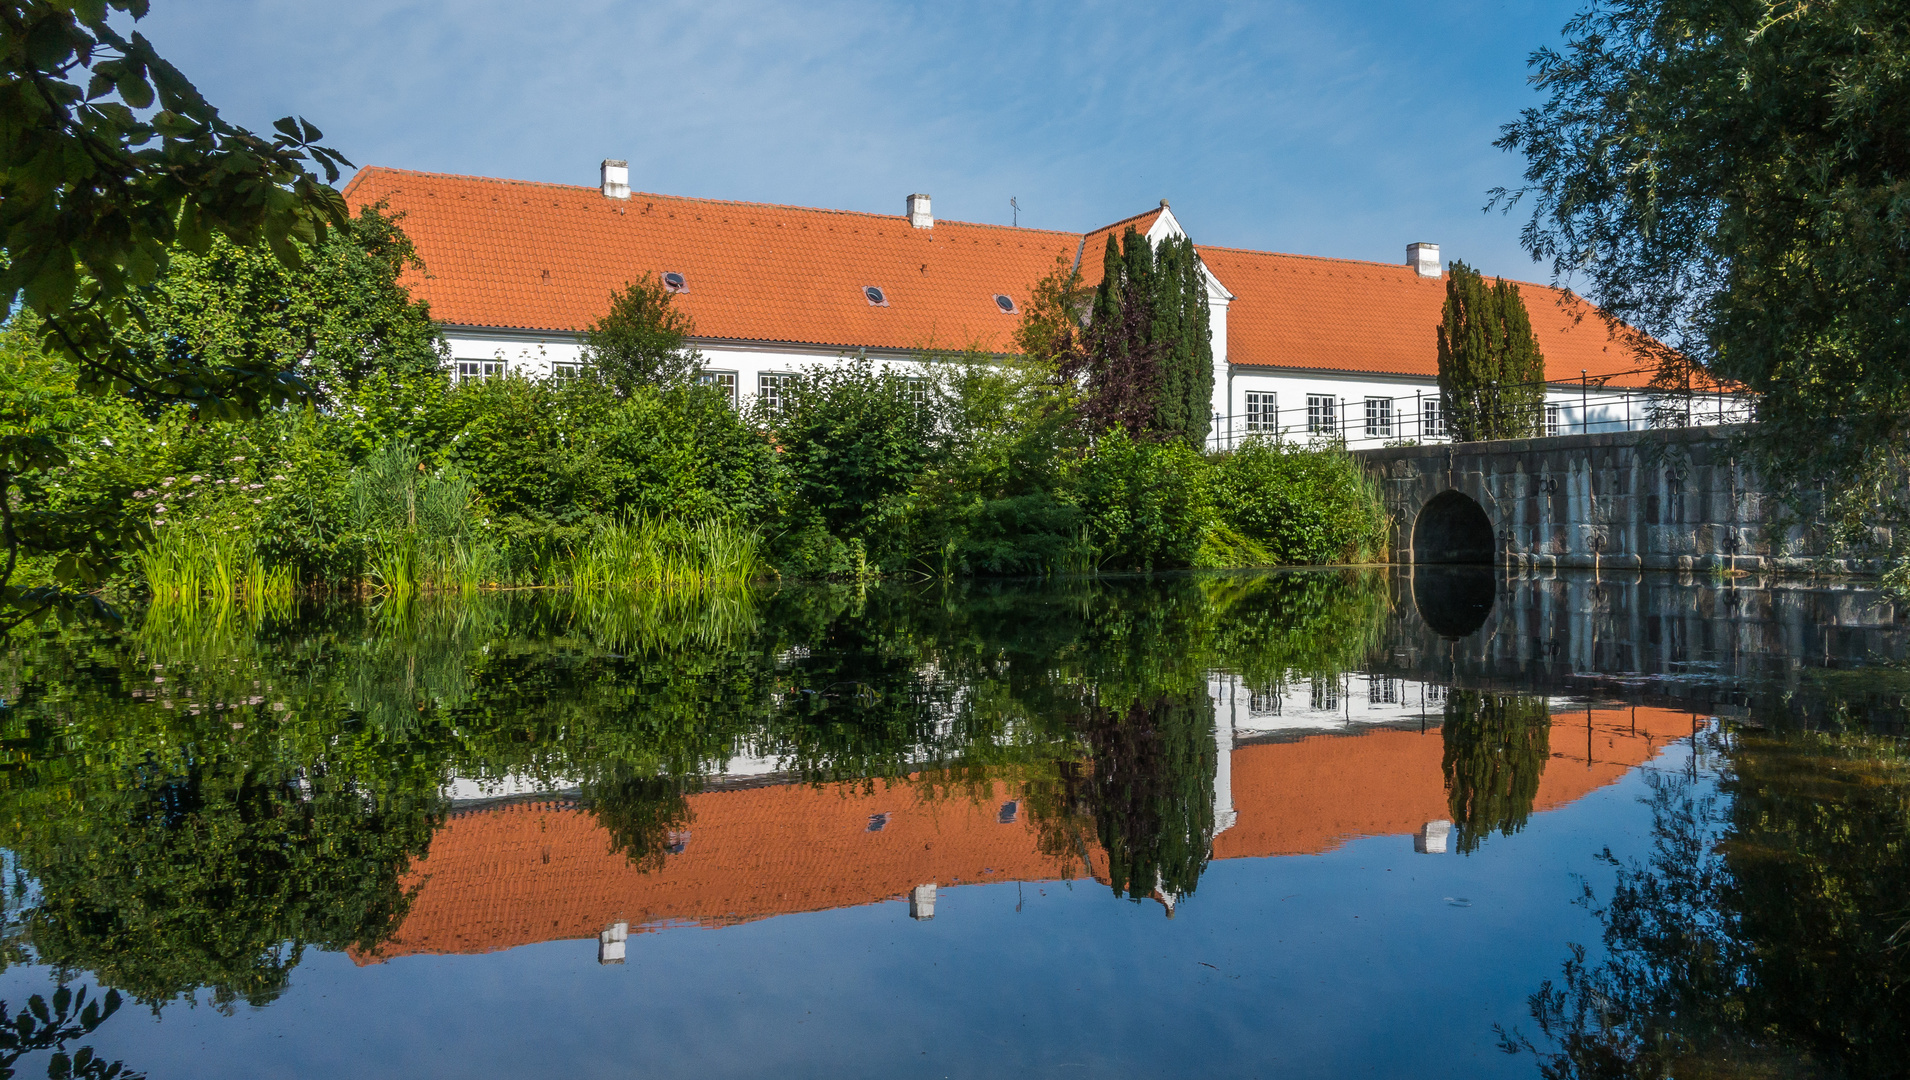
column 875, row 296
column 1005, row 303
column 675, row 282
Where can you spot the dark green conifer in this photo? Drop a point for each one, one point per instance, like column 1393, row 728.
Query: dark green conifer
column 1491, row 371
column 1150, row 359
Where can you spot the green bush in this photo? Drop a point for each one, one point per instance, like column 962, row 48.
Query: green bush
column 1146, row 505
column 853, row 439
column 1302, row 505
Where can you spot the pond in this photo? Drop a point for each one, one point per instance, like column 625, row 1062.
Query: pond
column 1318, row 823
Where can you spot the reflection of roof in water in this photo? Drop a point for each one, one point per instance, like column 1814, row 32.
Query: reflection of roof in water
column 526, row 872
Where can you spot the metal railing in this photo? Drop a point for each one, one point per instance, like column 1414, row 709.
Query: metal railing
column 1360, row 423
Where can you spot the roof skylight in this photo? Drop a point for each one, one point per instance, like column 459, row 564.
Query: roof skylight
column 875, row 296
column 1005, row 303
column 675, row 282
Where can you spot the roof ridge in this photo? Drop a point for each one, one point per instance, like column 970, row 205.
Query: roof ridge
column 1130, row 218
column 1374, row 262
column 635, row 194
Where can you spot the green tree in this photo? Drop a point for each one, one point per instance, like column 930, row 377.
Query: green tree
column 1727, row 177
column 639, row 341
column 854, row 438
column 1496, row 747
column 1147, row 361
column 1491, row 373
column 110, row 160
column 334, row 320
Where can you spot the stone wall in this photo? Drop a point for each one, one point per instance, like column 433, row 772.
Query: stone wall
column 1670, row 499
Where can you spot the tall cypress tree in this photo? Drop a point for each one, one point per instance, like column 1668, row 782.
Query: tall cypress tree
column 1491, row 371
column 1150, row 357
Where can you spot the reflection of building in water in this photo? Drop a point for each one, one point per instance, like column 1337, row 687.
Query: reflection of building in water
column 499, row 876
column 1324, row 703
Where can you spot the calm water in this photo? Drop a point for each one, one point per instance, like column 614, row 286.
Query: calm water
column 1305, row 824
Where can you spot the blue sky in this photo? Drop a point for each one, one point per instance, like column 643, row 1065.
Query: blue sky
column 1346, row 129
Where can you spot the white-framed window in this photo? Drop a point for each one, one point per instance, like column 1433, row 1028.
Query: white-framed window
column 479, row 369
column 1381, row 690
column 1326, row 695
column 722, row 380
column 769, row 390
column 1379, row 418
column 916, row 387
column 1263, row 703
column 1322, row 414
column 1435, row 695
column 1432, row 418
column 566, row 370
column 1552, row 424
column 1263, row 413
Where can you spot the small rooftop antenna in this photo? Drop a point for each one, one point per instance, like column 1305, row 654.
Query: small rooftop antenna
column 1016, row 207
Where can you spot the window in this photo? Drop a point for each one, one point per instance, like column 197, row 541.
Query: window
column 675, row 282
column 566, row 370
column 916, row 388
column 877, row 822
column 1006, row 304
column 1262, row 415
column 1263, row 703
column 479, row 369
column 1432, row 418
column 1322, row 414
column 875, row 296
column 1434, row 695
column 1551, row 419
column 722, row 380
column 1381, row 690
column 770, row 390
column 1379, row 418
column 1008, row 813
column 1326, row 695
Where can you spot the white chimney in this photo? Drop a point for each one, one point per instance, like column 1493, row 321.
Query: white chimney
column 610, row 943
column 922, row 902
column 918, row 212
column 1431, row 838
column 616, row 178
column 1425, row 259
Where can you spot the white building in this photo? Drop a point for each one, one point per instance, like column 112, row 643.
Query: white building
column 1301, row 344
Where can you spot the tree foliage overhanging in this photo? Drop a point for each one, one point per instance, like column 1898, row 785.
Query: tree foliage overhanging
column 1730, row 178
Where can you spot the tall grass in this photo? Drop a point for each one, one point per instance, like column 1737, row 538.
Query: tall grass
column 184, row 568
column 646, row 552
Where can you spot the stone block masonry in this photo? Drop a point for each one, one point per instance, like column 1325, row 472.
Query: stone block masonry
column 1667, row 499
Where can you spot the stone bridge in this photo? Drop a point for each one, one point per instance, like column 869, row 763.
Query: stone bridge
column 1666, row 499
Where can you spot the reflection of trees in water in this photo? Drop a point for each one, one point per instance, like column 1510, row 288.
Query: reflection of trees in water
column 1496, row 747
column 165, row 880
column 201, row 799
column 645, row 816
column 1763, row 936
column 1151, row 791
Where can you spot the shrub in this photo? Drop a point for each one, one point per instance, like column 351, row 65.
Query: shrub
column 1302, row 505
column 853, row 440
column 1146, row 505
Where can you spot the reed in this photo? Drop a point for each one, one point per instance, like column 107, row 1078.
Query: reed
column 644, row 552
column 184, row 568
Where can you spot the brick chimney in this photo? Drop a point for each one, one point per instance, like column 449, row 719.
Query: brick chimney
column 918, row 212
column 616, row 179
column 1425, row 259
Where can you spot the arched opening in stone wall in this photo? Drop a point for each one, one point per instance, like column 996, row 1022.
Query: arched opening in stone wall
column 1452, row 528
column 1454, row 601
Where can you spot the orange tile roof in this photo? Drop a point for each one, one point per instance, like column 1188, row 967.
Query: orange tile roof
column 1301, row 311
column 513, row 254
column 506, row 876
column 546, row 257
column 1094, row 245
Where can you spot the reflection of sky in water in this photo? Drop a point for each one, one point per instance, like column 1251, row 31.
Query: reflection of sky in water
column 1329, row 733
column 1338, row 964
